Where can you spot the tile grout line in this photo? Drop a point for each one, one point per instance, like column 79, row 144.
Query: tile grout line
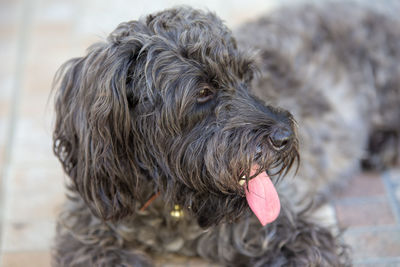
column 391, row 195
column 23, row 38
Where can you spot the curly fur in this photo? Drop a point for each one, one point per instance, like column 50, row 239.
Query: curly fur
column 130, row 123
column 335, row 67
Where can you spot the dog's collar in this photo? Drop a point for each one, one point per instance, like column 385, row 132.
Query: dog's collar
column 177, row 212
column 148, row 202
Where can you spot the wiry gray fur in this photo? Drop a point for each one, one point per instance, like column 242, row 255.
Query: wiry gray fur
column 133, row 120
column 335, row 67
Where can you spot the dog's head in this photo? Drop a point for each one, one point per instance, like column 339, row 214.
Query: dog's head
column 164, row 106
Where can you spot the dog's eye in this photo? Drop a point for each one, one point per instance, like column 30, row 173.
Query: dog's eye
column 205, row 94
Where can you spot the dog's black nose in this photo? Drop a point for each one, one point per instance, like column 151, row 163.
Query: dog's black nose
column 280, row 138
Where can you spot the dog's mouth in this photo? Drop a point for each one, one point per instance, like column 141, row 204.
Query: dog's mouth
column 260, row 191
column 261, row 195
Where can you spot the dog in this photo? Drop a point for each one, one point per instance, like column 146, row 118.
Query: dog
column 177, row 135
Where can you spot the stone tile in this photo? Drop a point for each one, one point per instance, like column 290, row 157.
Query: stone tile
column 7, row 73
column 50, row 46
column 53, row 37
column 365, row 213
column 28, row 235
column 33, row 143
column 38, row 107
column 84, row 42
column 5, row 99
column 10, row 11
column 10, row 16
column 4, row 127
column 39, row 178
column 363, row 185
column 99, row 19
column 373, row 243
column 42, row 205
column 243, row 11
column 22, row 259
column 394, row 186
column 394, row 175
column 96, row 17
column 35, row 194
column 397, row 194
column 50, row 11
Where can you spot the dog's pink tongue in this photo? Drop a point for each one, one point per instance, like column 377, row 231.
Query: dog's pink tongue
column 262, row 197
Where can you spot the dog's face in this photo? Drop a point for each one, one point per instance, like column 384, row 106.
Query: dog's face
column 164, row 106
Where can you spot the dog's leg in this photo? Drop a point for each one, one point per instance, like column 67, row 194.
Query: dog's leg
column 83, row 240
column 292, row 240
column 299, row 241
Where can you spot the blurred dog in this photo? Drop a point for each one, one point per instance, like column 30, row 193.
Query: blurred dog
column 172, row 126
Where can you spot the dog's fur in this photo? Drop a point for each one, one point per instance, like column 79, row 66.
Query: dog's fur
column 174, row 105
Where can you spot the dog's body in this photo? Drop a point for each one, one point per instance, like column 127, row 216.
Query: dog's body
column 156, row 127
column 335, row 68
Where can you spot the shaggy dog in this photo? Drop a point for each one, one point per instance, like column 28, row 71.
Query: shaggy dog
column 173, row 134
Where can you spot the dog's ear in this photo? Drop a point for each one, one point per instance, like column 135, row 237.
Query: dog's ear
column 93, row 135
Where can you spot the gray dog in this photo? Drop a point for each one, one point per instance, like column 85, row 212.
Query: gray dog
column 174, row 134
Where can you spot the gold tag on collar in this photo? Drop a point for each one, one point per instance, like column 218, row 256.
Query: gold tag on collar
column 177, row 212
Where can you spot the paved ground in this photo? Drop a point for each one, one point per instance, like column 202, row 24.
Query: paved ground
column 35, row 38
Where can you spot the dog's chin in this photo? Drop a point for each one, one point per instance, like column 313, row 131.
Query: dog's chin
column 215, row 211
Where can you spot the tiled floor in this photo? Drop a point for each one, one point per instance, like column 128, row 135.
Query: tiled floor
column 36, row 36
